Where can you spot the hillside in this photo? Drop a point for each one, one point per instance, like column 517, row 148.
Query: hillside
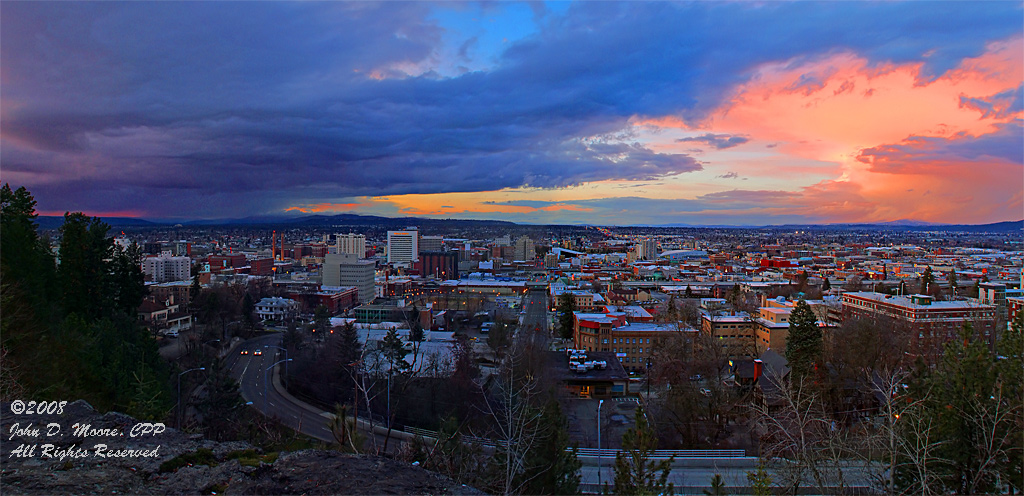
column 188, row 464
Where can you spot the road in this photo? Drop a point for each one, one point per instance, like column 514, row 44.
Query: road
column 689, row 476
column 693, row 476
column 535, row 321
column 251, row 369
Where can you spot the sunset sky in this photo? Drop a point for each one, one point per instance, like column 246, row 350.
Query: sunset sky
column 706, row 113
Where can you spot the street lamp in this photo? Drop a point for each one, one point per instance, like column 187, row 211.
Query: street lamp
column 178, row 416
column 285, row 355
column 599, row 403
column 648, row 378
column 265, row 383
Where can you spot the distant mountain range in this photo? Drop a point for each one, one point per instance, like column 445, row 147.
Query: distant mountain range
column 53, row 222
column 909, row 225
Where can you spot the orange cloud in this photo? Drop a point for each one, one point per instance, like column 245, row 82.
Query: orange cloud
column 326, row 207
column 825, row 118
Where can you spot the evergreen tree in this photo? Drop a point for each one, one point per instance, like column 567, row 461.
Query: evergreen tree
column 566, row 322
column 83, row 272
column 249, row 311
column 221, row 406
column 953, row 283
column 804, row 342
column 689, row 292
column 976, row 415
column 1010, row 368
column 126, row 285
column 194, row 290
column 927, row 281
column 394, row 351
column 717, row 487
column 25, row 259
column 801, row 284
column 321, row 320
column 635, row 472
column 552, row 468
column 349, row 349
column 760, row 481
column 826, row 285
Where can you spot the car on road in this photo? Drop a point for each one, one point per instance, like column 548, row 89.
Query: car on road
column 244, row 352
column 257, row 352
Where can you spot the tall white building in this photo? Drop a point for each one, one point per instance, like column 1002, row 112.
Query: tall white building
column 353, row 244
column 431, row 243
column 167, row 268
column 403, row 246
column 345, row 269
column 646, row 249
column 524, row 249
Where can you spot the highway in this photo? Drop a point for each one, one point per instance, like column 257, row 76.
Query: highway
column 250, row 370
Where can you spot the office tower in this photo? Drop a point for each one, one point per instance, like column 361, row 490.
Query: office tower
column 403, row 246
column 345, row 269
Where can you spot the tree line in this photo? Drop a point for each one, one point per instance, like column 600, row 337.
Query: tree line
column 69, row 324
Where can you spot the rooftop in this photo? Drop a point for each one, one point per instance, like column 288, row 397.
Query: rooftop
column 905, row 301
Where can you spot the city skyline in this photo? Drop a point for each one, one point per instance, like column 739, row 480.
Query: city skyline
column 590, row 112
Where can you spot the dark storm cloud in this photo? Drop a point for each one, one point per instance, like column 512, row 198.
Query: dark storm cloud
column 221, row 109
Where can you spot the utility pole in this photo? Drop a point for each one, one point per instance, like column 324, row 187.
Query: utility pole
column 599, row 404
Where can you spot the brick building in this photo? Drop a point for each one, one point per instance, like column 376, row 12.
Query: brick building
column 929, row 324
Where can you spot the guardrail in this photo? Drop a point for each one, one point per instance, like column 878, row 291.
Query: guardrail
column 493, row 443
column 609, row 453
column 660, row 454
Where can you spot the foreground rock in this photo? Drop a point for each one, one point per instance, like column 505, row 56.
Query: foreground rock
column 56, row 454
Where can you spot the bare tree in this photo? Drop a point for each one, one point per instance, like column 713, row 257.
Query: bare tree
column 515, row 419
column 798, row 438
column 903, row 436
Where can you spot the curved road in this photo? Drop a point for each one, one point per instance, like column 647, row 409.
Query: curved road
column 250, row 371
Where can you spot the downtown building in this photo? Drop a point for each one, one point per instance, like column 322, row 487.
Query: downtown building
column 524, row 250
column 347, row 270
column 646, row 249
column 403, row 246
column 632, row 343
column 927, row 324
column 431, row 243
column 167, row 268
column 351, row 243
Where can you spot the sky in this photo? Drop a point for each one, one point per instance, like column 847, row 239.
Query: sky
column 603, row 113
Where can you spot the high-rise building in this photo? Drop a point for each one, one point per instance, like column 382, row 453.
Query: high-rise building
column 345, row 269
column 431, row 243
column 524, row 249
column 403, row 246
column 167, row 268
column 353, row 244
column 646, row 249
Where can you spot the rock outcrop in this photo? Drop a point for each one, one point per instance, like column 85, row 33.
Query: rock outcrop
column 57, row 454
